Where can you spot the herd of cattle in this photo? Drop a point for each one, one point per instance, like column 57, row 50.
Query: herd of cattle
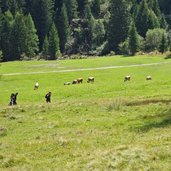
column 80, row 80
column 13, row 97
column 91, row 80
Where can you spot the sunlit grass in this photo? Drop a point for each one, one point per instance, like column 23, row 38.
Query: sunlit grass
column 108, row 125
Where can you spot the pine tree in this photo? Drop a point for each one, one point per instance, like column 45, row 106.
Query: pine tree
column 31, row 38
column 5, row 34
column 45, row 49
column 133, row 39
column 81, row 6
column 88, row 26
column 163, row 23
column 142, row 19
column 54, row 49
column 99, row 33
column 4, row 4
column 96, row 8
column 42, row 16
column 153, row 21
column 72, row 7
column 118, row 24
column 19, row 36
column 63, row 28
column 163, row 44
column 154, row 5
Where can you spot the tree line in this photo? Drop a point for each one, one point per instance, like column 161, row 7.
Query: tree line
column 48, row 29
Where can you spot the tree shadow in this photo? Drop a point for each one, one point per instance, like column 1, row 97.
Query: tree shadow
column 160, row 120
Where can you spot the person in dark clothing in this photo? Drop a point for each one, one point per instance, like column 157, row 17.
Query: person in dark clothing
column 13, row 99
column 48, row 97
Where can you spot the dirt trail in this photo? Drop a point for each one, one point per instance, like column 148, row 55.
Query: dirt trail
column 85, row 69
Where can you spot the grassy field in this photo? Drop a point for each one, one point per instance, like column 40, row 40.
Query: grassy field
column 108, row 125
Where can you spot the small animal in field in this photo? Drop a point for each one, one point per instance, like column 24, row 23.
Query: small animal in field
column 148, row 77
column 48, row 97
column 36, row 86
column 80, row 80
column 13, row 99
column 90, row 80
column 127, row 78
column 75, row 82
column 67, row 83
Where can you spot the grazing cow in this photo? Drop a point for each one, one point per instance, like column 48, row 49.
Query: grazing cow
column 80, row 80
column 13, row 99
column 48, row 97
column 67, row 83
column 127, row 78
column 148, row 77
column 90, row 80
column 75, row 82
column 36, row 86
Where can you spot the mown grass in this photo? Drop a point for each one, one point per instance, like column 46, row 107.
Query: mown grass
column 108, row 125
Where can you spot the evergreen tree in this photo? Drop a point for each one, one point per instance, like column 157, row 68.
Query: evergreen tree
column 81, row 6
column 142, row 21
column 118, row 24
column 133, row 40
column 153, row 21
column 31, row 38
column 6, row 22
column 163, row 23
column 42, row 16
column 87, row 32
column 99, row 33
column 96, row 8
column 45, row 49
column 19, row 36
column 63, row 28
column 154, row 5
column 4, row 4
column 72, row 7
column 54, row 49
column 163, row 44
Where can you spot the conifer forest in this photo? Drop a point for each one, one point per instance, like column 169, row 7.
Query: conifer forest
column 49, row 29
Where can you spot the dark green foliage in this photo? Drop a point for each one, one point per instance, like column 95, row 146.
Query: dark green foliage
column 54, row 50
column 96, row 8
column 142, row 18
column 81, row 6
column 118, row 25
column 163, row 44
column 84, row 26
column 32, row 40
column 133, row 40
column 63, row 28
column 19, row 36
column 45, row 49
column 72, row 8
column 42, row 16
column 6, row 22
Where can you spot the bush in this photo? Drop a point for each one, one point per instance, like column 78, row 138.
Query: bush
column 124, row 47
column 154, row 38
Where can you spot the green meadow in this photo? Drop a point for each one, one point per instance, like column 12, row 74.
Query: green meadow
column 107, row 125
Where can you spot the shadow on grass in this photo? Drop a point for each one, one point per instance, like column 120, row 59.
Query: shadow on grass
column 161, row 120
column 147, row 102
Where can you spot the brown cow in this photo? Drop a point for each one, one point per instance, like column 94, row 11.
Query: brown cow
column 127, row 78
column 75, row 82
column 90, row 80
column 80, row 80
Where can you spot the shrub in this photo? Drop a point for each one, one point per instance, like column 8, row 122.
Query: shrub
column 154, row 38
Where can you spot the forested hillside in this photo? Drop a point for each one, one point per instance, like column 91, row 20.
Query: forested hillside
column 48, row 29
